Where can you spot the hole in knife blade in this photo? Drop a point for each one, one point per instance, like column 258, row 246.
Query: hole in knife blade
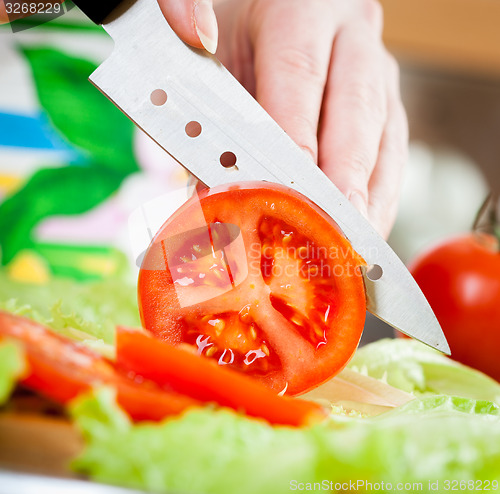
column 374, row 272
column 158, row 97
column 193, row 129
column 228, row 159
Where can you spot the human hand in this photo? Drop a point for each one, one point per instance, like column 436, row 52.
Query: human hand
column 321, row 71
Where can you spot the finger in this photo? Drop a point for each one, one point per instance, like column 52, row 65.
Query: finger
column 372, row 11
column 292, row 49
column 354, row 111
column 194, row 21
column 384, row 185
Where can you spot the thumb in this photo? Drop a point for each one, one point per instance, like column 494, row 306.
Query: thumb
column 194, row 22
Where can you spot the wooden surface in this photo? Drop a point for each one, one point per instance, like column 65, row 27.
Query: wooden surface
column 36, row 444
column 457, row 35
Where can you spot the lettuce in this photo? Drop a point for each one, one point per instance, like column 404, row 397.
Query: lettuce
column 88, row 312
column 217, row 451
column 12, row 367
column 451, row 431
column 416, row 368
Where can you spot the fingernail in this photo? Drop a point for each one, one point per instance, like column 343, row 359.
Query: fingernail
column 359, row 203
column 205, row 23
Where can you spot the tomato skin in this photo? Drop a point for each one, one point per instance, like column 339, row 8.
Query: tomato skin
column 61, row 369
column 208, row 382
column 302, row 359
column 152, row 379
column 461, row 279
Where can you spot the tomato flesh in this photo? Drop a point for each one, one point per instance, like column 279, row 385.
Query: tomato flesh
column 271, row 287
column 203, row 380
column 152, row 379
column 61, row 369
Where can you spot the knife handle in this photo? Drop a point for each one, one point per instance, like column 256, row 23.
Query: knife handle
column 97, row 10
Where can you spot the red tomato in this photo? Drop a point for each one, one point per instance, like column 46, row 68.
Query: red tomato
column 461, row 280
column 61, row 369
column 257, row 277
column 204, row 380
column 152, row 379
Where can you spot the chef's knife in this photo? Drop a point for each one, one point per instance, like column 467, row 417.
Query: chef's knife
column 163, row 85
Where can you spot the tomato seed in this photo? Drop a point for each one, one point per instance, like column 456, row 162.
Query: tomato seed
column 219, row 327
column 244, row 315
column 319, row 332
column 313, row 270
column 302, row 252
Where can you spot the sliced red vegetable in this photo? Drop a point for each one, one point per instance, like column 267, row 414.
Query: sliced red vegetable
column 202, row 379
column 153, row 379
column 61, row 369
column 257, row 277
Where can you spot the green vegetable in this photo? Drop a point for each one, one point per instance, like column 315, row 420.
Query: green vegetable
column 207, row 451
column 88, row 312
column 12, row 367
column 416, row 368
column 452, row 435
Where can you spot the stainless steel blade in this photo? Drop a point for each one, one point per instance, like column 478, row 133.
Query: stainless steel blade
column 149, row 56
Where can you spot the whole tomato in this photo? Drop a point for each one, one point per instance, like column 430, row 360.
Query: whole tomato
column 461, row 279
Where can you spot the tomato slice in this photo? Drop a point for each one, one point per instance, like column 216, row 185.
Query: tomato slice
column 257, row 277
column 152, row 379
column 61, row 369
column 202, row 379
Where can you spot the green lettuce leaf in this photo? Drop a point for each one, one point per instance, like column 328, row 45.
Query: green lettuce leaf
column 12, row 367
column 88, row 312
column 436, row 437
column 207, row 451
column 416, row 368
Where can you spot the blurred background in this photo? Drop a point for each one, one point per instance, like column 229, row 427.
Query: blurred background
column 74, row 224
column 449, row 52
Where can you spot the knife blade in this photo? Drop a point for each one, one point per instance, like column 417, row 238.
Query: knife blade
column 164, row 85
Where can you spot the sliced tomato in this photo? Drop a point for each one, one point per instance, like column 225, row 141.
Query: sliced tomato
column 204, row 380
column 152, row 378
column 61, row 369
column 257, row 277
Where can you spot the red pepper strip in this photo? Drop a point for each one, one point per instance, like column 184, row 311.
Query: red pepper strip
column 61, row 369
column 204, row 380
